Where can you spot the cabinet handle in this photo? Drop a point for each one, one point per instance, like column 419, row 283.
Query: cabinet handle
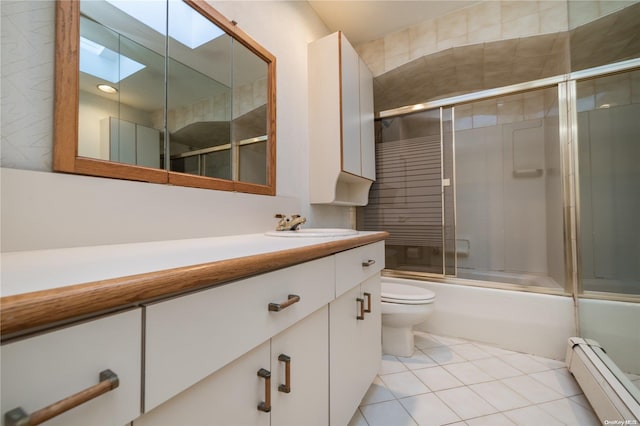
column 276, row 307
column 368, row 262
column 266, row 404
column 286, row 388
column 360, row 301
column 368, row 308
column 18, row 417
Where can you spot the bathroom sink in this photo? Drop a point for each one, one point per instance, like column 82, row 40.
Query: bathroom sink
column 313, row 232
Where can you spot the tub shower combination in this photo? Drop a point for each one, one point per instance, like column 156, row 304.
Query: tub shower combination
column 517, row 196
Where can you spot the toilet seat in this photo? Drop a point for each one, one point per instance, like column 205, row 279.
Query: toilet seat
column 406, row 294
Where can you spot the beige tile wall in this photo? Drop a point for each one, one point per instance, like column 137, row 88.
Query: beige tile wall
column 615, row 90
column 483, row 22
column 582, row 12
column 505, row 110
column 218, row 108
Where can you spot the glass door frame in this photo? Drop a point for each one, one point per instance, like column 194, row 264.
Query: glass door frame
column 572, row 126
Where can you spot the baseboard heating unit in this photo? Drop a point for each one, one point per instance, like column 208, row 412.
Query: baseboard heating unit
column 613, row 397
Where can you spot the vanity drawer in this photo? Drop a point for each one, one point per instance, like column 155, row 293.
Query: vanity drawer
column 356, row 265
column 192, row 336
column 45, row 369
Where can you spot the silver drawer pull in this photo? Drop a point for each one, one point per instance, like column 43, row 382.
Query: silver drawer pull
column 18, row 417
column 276, row 307
column 368, row 262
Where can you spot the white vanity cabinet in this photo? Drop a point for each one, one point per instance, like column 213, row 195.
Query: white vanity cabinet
column 229, row 396
column 296, row 345
column 355, row 329
column 237, row 395
column 306, row 345
column 204, row 350
column 341, row 127
column 42, row 370
column 190, row 337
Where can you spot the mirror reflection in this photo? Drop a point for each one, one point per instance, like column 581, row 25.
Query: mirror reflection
column 194, row 102
column 249, row 125
column 121, row 86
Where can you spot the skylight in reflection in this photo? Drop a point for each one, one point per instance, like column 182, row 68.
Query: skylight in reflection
column 104, row 63
column 186, row 25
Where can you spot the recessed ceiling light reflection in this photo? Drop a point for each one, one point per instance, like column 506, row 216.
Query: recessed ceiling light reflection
column 107, row 89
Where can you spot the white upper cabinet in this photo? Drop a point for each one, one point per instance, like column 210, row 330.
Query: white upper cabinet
column 350, row 81
column 342, row 151
column 367, row 132
column 127, row 142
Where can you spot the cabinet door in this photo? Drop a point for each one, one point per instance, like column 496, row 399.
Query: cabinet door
column 41, row 370
column 147, row 146
column 367, row 133
column 371, row 332
column 350, row 75
column 306, row 344
column 229, row 397
column 355, row 350
column 122, row 141
column 192, row 336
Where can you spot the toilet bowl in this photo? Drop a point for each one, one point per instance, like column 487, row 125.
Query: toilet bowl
column 403, row 306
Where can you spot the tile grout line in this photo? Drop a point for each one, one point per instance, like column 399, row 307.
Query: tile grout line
column 407, row 367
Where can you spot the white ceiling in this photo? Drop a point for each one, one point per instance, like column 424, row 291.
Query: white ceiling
column 366, row 20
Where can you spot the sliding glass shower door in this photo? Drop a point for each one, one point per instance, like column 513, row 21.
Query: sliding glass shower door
column 608, row 116
column 509, row 202
column 608, row 141
column 473, row 190
column 411, row 189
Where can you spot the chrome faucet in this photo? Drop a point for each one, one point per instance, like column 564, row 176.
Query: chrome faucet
column 289, row 223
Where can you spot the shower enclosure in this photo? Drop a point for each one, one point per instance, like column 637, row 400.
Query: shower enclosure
column 487, row 207
column 528, row 181
column 531, row 187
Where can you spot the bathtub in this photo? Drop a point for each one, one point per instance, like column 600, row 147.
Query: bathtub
column 527, row 322
column 522, row 279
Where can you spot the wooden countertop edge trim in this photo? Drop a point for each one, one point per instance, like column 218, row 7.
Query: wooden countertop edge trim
column 36, row 310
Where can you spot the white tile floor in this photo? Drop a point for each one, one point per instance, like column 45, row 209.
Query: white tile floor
column 457, row 382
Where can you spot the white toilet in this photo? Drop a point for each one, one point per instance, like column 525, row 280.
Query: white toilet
column 403, row 306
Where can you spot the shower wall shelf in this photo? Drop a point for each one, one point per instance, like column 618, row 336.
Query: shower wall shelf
column 528, row 173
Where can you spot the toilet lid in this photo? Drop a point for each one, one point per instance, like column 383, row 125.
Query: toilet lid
column 406, row 294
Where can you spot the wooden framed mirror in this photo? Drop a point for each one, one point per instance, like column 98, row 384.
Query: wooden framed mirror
column 175, row 94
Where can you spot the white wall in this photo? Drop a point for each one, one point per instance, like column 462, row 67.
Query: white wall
column 43, row 210
column 282, row 27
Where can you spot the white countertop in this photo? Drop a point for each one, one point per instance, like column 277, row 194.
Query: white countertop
column 28, row 271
